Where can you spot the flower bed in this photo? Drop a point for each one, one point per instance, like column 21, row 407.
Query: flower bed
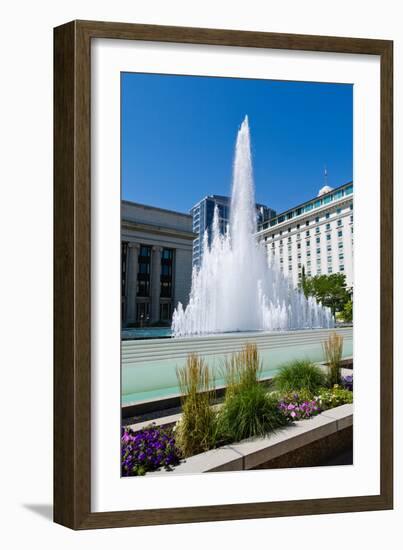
column 294, row 408
column 249, row 410
column 148, row 450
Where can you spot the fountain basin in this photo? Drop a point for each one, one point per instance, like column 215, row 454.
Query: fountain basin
column 149, row 366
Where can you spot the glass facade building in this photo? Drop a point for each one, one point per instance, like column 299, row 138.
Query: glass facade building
column 203, row 214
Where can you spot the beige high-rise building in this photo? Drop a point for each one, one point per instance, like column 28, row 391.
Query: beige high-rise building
column 317, row 234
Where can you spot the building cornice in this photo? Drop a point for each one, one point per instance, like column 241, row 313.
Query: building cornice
column 306, row 215
column 148, row 207
column 158, row 230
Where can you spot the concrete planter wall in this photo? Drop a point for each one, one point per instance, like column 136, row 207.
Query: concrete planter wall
column 258, row 452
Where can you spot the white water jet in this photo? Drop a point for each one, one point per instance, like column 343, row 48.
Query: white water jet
column 237, row 288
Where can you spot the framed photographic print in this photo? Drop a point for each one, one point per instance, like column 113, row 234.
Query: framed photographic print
column 223, row 275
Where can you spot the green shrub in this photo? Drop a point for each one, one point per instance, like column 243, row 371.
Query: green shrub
column 249, row 412
column 333, row 397
column 195, row 432
column 333, row 351
column 300, row 375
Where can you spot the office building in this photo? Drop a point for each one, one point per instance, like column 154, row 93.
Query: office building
column 156, row 260
column 317, row 234
column 203, row 213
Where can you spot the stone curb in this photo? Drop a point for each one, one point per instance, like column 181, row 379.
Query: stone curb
column 251, row 453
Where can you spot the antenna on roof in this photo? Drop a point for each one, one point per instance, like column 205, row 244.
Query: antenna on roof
column 325, row 175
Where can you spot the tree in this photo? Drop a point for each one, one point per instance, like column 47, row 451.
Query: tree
column 348, row 312
column 330, row 290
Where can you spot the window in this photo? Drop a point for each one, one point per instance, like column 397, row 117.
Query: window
column 281, row 242
column 166, row 270
column 318, row 251
column 308, row 243
column 165, row 311
column 166, row 289
column 289, row 230
column 290, row 258
column 299, row 245
column 340, row 233
column 145, row 251
column 342, row 268
column 329, row 269
column 290, row 268
column 308, row 254
column 281, row 250
column 144, row 268
column 317, row 240
column 307, row 222
column 341, row 256
column 329, row 248
column 309, row 273
column 317, row 219
column 351, row 219
column 299, row 256
column 289, row 248
column 289, row 239
column 340, row 245
column 143, row 273
column 329, row 259
column 167, row 256
column 317, row 230
column 327, row 215
column 281, row 260
column 338, row 210
column 339, row 222
column 351, row 206
column 307, row 233
column 281, row 233
column 272, row 245
column 308, row 263
column 327, row 226
column 318, row 271
column 318, row 261
column 298, row 225
column 328, row 237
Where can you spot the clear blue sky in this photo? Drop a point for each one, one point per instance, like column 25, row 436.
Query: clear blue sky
column 178, row 137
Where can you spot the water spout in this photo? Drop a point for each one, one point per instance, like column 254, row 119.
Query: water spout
column 237, row 288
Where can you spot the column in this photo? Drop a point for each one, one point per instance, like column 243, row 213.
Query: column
column 155, row 283
column 132, row 269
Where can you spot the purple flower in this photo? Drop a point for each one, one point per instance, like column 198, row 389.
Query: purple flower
column 147, row 450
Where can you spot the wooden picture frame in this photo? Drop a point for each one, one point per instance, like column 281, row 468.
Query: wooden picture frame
column 72, row 272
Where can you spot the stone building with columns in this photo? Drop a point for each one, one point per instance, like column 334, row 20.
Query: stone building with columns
column 156, row 260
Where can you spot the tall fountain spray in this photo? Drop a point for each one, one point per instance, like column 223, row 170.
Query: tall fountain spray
column 237, row 288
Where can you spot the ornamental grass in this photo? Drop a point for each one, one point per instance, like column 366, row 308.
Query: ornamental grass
column 247, row 411
column 299, row 375
column 333, row 351
column 195, row 432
